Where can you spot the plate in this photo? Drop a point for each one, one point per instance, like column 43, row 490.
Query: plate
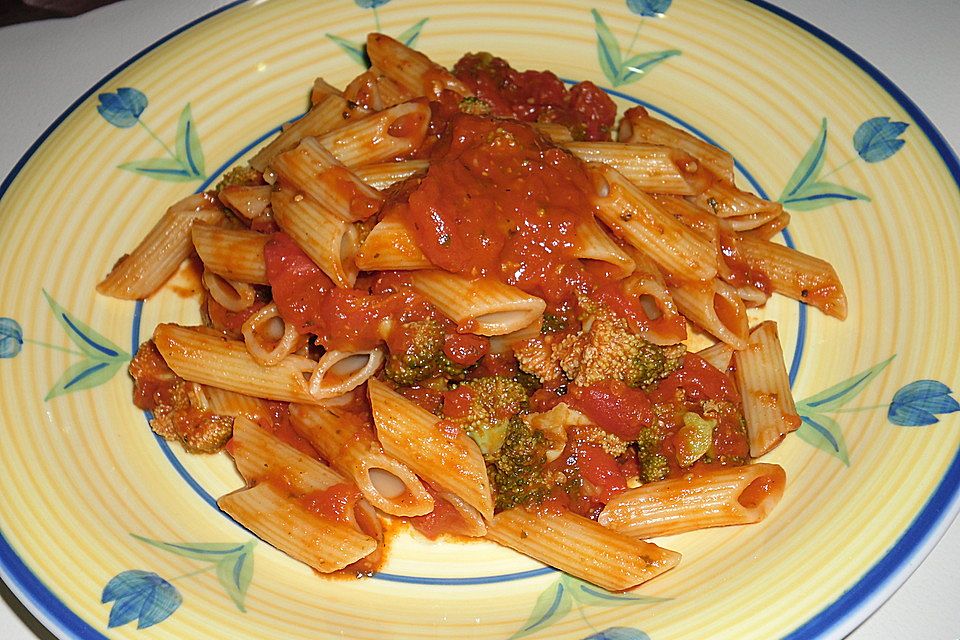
column 105, row 518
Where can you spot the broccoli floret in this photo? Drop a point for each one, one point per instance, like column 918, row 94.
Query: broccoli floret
column 606, row 350
column 475, row 106
column 423, row 357
column 694, row 438
column 518, row 473
column 243, row 175
column 653, row 464
column 552, row 323
column 493, row 402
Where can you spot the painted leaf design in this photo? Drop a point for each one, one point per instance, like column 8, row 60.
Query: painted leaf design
column 355, row 51
column 814, row 195
column 649, row 8
column 409, row 36
column 810, row 165
column 91, row 343
column 588, row 594
column 86, row 374
column 841, row 393
column 122, row 108
column 205, row 551
column 608, row 49
column 553, row 604
column 618, row 633
column 824, row 433
column 235, row 572
column 188, row 150
column 878, row 138
column 637, row 66
column 920, row 402
column 371, row 4
column 166, row 169
column 11, row 338
column 142, row 596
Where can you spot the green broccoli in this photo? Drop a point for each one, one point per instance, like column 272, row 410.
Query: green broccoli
column 475, row 106
column 493, row 402
column 243, row 175
column 653, row 464
column 518, row 472
column 423, row 358
column 606, row 350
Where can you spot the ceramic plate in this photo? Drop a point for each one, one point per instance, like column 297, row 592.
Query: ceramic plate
column 109, row 533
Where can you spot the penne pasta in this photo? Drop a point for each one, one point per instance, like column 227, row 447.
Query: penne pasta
column 234, row 254
column 651, row 168
column 269, row 339
column 390, row 246
column 594, row 244
column 581, row 547
column 411, row 69
column 384, row 135
column 247, row 202
column 338, row 372
column 385, row 174
column 715, row 307
column 714, row 498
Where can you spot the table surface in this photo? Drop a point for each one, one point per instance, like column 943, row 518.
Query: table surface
column 914, row 44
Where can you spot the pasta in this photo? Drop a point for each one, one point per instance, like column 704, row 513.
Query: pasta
column 442, row 297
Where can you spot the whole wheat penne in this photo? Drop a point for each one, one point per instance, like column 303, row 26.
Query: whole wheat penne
column 384, row 135
column 206, row 357
column 581, row 547
column 246, row 201
column 385, row 174
column 637, row 218
column 331, row 112
column 269, row 338
column 638, row 126
column 328, row 240
column 715, row 307
column 714, row 497
column 312, row 170
column 390, row 246
column 412, row 70
column 235, row 254
column 593, row 243
column 142, row 272
column 797, row 275
column 484, row 306
column 652, row 168
column 338, row 372
column 438, row 452
column 761, row 374
column 347, row 441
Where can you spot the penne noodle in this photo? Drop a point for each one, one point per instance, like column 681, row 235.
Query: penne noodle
column 761, row 220
column 234, row 254
column 382, row 136
column 329, row 113
column 769, row 229
column 321, row 89
column 268, row 338
column 385, row 174
column 247, row 202
column 231, row 403
column 651, row 168
column 727, row 201
column 390, row 246
column 312, row 170
column 205, row 356
column 142, row 272
column 764, row 384
column 348, row 443
column 554, row 131
column 231, row 295
column 797, row 275
column 338, row 372
column 505, row 344
column 329, row 241
column 638, row 126
column 660, row 322
column 581, row 547
column 718, row 355
column 715, row 497
column 438, row 452
column 593, row 243
column 637, row 218
column 715, row 307
column 411, row 69
column 484, row 306
column 473, row 525
column 374, row 90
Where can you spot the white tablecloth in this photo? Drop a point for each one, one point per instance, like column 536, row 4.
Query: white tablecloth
column 45, row 66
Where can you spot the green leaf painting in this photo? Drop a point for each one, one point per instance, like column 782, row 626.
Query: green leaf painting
column 623, row 68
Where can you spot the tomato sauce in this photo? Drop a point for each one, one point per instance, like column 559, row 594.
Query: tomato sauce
column 614, row 407
column 538, row 96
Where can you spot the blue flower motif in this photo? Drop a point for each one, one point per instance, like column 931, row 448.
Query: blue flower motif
column 11, row 338
column 123, row 108
column 918, row 403
column 142, row 596
column 877, row 139
column 649, row 8
column 619, row 633
column 371, row 4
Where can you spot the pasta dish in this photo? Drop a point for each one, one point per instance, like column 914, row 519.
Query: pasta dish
column 467, row 299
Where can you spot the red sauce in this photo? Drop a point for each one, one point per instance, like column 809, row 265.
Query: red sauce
column 297, row 282
column 614, row 407
column 538, row 96
column 341, row 182
column 698, row 380
column 465, row 349
column 335, row 503
column 232, row 321
column 443, row 520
